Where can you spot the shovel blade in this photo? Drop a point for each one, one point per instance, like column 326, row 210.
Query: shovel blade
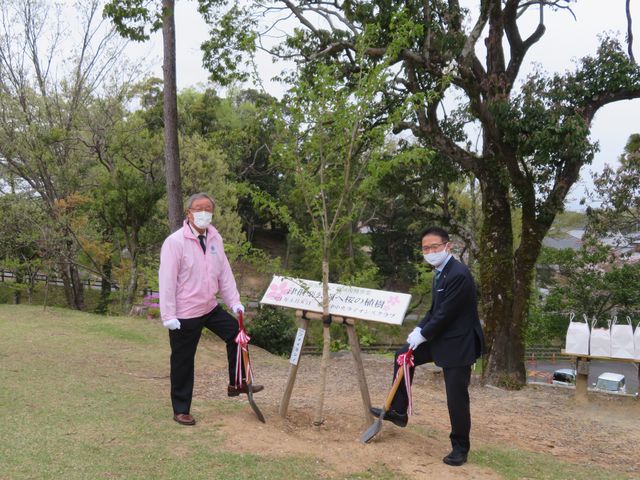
column 372, row 431
column 254, row 407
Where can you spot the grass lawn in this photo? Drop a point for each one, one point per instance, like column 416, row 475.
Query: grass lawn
column 76, row 402
column 80, row 399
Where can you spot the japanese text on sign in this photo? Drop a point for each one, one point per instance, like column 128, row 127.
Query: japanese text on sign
column 352, row 302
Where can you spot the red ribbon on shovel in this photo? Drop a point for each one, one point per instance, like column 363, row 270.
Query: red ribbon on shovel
column 242, row 339
column 405, row 361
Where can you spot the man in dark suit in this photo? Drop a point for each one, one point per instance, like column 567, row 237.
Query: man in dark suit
column 450, row 335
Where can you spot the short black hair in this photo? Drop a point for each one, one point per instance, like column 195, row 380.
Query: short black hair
column 440, row 232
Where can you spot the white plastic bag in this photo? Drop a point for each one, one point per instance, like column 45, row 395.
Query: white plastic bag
column 622, row 342
column 577, row 336
column 600, row 343
column 636, row 340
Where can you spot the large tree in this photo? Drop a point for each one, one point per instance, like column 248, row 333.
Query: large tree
column 533, row 139
column 42, row 103
column 136, row 19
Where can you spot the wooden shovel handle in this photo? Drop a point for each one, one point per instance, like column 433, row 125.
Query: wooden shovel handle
column 394, row 389
column 245, row 360
column 395, row 386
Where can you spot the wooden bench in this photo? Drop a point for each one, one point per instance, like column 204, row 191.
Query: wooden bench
column 582, row 371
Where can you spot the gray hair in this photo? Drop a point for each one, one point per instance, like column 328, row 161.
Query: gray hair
column 198, row 196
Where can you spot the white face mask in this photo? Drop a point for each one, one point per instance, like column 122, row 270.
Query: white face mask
column 202, row 219
column 435, row 259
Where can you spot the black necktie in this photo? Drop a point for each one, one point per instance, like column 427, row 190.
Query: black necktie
column 202, row 244
column 435, row 279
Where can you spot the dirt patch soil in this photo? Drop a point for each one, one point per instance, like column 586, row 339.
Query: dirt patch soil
column 538, row 418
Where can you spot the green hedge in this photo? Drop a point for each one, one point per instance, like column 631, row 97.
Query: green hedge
column 273, row 329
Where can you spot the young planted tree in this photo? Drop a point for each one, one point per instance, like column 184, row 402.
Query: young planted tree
column 326, row 153
column 533, row 140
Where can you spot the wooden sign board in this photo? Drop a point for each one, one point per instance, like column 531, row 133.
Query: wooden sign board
column 346, row 301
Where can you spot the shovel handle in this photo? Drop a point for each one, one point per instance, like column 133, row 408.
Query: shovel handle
column 245, row 360
column 241, row 320
column 395, row 386
column 394, row 389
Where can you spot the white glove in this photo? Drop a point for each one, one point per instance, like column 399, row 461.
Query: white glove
column 415, row 338
column 173, row 324
column 417, row 329
column 237, row 308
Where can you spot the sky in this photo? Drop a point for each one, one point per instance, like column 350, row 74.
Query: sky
column 565, row 41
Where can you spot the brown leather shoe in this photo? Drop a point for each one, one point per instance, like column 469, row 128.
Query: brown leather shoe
column 233, row 391
column 184, row 419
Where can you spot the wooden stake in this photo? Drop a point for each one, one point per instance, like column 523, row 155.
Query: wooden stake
column 293, row 372
column 362, row 380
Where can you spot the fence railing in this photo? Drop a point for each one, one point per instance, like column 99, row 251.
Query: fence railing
column 53, row 280
column 533, row 353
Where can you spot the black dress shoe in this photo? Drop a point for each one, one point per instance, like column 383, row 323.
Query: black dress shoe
column 400, row 419
column 455, row 459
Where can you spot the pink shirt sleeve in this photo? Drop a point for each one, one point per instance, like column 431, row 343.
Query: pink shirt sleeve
column 168, row 277
column 227, row 283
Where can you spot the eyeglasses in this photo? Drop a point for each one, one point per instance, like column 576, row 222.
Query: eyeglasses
column 432, row 247
column 201, row 209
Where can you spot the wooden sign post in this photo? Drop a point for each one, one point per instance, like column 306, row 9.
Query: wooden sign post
column 346, row 305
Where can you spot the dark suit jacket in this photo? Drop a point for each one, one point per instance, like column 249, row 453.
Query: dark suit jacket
column 452, row 325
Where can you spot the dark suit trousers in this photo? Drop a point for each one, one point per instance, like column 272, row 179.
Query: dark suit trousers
column 456, row 382
column 184, row 343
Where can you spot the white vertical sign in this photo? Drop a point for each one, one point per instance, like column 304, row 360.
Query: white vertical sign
column 297, row 346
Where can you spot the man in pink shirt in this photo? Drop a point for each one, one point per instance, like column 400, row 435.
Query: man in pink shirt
column 193, row 270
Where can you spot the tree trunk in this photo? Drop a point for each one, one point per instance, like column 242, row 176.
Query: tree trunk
column 17, row 293
column 132, row 286
column 171, row 150
column 326, row 336
column 503, row 326
column 105, row 288
column 72, row 286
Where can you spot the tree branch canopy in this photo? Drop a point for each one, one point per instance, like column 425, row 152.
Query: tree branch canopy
column 532, row 140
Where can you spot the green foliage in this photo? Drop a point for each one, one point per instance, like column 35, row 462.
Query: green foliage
column 133, row 19
column 531, row 141
column 591, row 282
column 204, row 169
column 231, row 43
column 54, row 296
column 322, row 154
column 366, row 336
column 619, row 194
column 21, row 243
column 272, row 329
column 567, row 221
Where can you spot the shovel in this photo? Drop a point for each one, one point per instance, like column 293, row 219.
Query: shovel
column 247, row 370
column 376, row 426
